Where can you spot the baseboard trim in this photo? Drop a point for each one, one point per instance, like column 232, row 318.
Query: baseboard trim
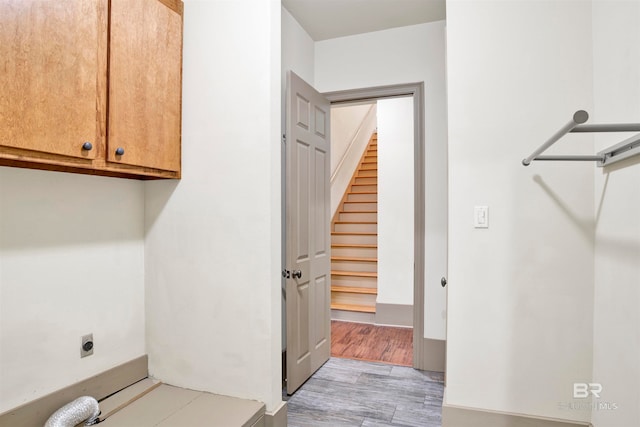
column 429, row 355
column 277, row 418
column 394, row 315
column 353, row 316
column 459, row 416
column 36, row 412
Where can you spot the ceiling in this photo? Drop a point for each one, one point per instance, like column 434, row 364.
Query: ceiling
column 328, row 19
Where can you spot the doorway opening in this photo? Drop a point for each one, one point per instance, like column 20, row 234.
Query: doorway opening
column 416, row 92
column 372, row 144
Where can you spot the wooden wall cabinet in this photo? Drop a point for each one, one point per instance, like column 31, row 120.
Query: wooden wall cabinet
column 92, row 86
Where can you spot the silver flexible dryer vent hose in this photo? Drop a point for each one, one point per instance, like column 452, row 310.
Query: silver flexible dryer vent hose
column 73, row 413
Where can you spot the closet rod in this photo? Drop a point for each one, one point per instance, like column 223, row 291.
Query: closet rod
column 579, row 117
column 609, row 127
column 571, row 158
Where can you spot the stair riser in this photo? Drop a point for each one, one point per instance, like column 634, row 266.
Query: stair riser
column 358, row 207
column 368, row 173
column 362, row 197
column 364, row 187
column 370, row 157
column 354, row 266
column 358, row 216
column 366, row 180
column 360, row 228
column 349, row 298
column 354, row 239
column 354, row 282
column 355, row 252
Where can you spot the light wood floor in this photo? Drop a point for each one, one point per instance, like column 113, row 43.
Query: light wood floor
column 362, row 341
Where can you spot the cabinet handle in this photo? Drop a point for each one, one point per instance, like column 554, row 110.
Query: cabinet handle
column 119, row 151
column 87, row 146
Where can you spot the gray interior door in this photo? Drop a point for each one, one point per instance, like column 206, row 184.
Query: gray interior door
column 308, row 242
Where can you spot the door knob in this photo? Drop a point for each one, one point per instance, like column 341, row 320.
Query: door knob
column 443, row 282
column 87, row 146
column 296, row 274
column 119, row 151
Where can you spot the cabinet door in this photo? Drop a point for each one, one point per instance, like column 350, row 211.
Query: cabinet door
column 52, row 76
column 145, row 74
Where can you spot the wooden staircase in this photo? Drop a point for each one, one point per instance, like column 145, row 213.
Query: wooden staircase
column 354, row 239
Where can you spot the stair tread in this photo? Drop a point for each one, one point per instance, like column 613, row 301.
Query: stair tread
column 355, row 222
column 353, row 307
column 360, row 201
column 367, row 211
column 354, row 245
column 355, row 259
column 362, row 192
column 354, row 273
column 353, row 233
column 354, row 290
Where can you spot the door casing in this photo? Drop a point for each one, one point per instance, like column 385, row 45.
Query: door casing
column 416, row 90
column 422, row 347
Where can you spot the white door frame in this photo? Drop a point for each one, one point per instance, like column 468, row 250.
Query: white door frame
column 427, row 354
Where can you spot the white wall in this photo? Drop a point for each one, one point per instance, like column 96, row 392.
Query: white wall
column 405, row 55
column 521, row 292
column 298, row 50
column 345, row 121
column 71, row 263
column 616, row 28
column 351, row 129
column 395, row 201
column 213, row 239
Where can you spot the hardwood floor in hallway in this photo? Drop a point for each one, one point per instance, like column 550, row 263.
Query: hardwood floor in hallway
column 346, row 393
column 363, row 341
